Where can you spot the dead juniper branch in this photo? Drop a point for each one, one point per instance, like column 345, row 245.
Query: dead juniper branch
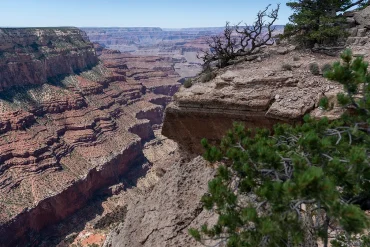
column 259, row 34
column 237, row 41
column 222, row 47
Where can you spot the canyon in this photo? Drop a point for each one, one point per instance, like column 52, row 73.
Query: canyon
column 100, row 143
column 71, row 123
column 182, row 45
column 258, row 93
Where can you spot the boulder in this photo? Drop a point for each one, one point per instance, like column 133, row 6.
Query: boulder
column 351, row 21
column 363, row 17
column 353, row 32
column 282, row 51
column 228, row 76
column 349, row 14
column 361, row 32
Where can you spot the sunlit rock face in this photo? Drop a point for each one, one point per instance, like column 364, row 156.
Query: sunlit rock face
column 260, row 94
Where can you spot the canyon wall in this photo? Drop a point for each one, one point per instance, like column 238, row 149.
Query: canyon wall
column 34, row 55
column 136, row 38
column 69, row 124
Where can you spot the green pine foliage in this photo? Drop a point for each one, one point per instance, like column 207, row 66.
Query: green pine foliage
column 317, row 21
column 326, row 67
column 298, row 183
column 354, row 75
column 324, row 103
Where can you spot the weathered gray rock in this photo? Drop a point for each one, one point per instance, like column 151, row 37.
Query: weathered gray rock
column 353, row 32
column 163, row 217
column 351, row 21
column 363, row 17
column 282, row 51
column 228, row 76
column 349, row 14
column 361, row 32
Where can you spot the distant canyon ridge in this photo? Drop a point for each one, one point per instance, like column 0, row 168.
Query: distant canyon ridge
column 182, row 45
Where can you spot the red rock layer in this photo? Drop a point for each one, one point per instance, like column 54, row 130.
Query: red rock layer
column 61, row 141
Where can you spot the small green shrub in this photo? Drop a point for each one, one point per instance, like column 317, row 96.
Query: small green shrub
column 314, row 68
column 324, row 103
column 326, row 67
column 296, row 58
column 209, row 75
column 188, row 83
column 286, row 66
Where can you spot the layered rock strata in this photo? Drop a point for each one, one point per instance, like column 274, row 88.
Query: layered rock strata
column 34, row 55
column 359, row 31
column 68, row 127
column 260, row 94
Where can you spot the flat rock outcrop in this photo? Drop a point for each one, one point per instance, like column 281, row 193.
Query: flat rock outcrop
column 259, row 93
column 67, row 128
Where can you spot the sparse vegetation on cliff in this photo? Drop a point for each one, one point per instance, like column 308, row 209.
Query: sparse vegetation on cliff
column 188, row 83
column 302, row 184
column 314, row 68
column 207, row 76
column 326, row 67
column 318, row 21
column 287, row 66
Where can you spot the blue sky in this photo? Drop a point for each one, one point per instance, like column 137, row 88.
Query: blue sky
column 132, row 13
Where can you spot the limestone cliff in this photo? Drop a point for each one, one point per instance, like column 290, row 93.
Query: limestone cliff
column 162, row 216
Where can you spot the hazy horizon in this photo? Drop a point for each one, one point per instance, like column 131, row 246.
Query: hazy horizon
column 166, row 14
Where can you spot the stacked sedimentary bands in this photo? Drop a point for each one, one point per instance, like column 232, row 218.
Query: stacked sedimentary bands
column 276, row 87
column 69, row 124
column 182, row 45
column 259, row 93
